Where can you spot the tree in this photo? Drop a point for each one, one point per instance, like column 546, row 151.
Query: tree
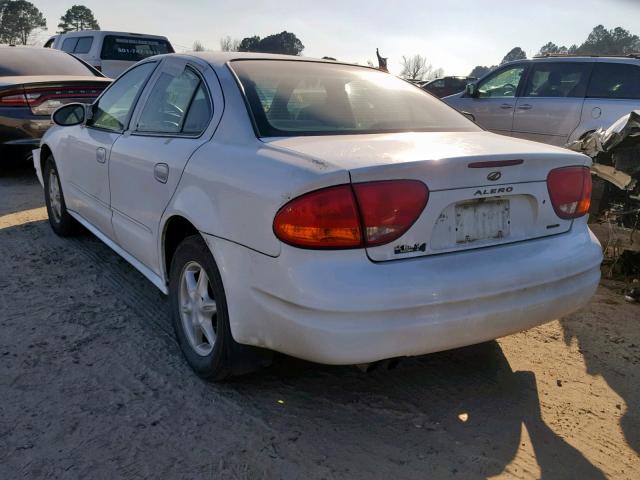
column 198, row 46
column 227, row 44
column 18, row 20
column 249, row 44
column 515, row 53
column 480, row 70
column 616, row 41
column 600, row 41
column 77, row 18
column 285, row 43
column 417, row 68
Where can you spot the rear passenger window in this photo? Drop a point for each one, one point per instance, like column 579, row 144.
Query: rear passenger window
column 615, row 80
column 176, row 104
column 557, row 80
column 69, row 45
column 83, row 45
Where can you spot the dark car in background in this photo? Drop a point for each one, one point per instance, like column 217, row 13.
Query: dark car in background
column 441, row 87
column 33, row 83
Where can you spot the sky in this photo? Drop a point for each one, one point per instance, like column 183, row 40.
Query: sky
column 454, row 35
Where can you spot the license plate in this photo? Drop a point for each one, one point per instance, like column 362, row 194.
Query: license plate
column 482, row 220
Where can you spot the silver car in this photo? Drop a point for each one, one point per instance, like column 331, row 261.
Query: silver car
column 553, row 100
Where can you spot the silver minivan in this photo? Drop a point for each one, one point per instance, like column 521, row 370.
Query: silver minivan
column 110, row 52
column 553, row 100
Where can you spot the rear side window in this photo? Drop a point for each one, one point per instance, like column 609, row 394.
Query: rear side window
column 176, row 104
column 133, row 49
column 615, row 80
column 557, row 80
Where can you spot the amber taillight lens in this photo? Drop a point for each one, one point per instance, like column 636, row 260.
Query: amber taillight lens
column 351, row 216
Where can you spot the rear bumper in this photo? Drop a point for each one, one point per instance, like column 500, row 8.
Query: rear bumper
column 20, row 132
column 340, row 308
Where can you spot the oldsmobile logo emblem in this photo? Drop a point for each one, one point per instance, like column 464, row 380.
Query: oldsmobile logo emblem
column 494, row 176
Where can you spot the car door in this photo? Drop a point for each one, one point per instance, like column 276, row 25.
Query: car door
column 85, row 154
column 147, row 161
column 495, row 99
column 550, row 105
column 614, row 91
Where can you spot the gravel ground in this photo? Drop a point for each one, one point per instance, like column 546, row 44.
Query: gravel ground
column 92, row 385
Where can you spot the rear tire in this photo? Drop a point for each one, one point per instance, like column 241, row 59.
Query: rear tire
column 61, row 222
column 200, row 316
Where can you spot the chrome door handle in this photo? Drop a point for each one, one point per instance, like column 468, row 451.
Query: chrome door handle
column 526, row 106
column 506, row 106
column 101, row 155
column 161, row 172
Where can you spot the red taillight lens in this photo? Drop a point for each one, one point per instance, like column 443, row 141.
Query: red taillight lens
column 570, row 191
column 13, row 100
column 325, row 218
column 389, row 208
column 333, row 218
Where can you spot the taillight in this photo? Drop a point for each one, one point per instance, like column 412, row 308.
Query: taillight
column 389, row 208
column 326, row 218
column 345, row 216
column 13, row 100
column 570, row 191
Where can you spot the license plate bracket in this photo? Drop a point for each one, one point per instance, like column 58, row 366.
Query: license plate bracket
column 480, row 220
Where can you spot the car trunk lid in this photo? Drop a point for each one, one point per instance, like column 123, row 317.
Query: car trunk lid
column 484, row 189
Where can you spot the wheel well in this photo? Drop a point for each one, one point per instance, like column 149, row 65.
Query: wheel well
column 45, row 151
column 175, row 231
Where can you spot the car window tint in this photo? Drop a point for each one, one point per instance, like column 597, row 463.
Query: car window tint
column 69, row 45
column 502, row 84
column 133, row 49
column 557, row 80
column 83, row 45
column 199, row 112
column 113, row 108
column 49, row 43
column 166, row 107
column 615, row 80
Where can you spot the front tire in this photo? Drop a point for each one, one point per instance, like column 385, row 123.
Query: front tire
column 200, row 316
column 61, row 222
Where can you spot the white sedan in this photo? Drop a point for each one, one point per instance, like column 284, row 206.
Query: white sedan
column 328, row 211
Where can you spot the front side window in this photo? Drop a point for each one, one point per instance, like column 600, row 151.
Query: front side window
column 615, row 80
column 558, row 80
column 170, row 106
column 289, row 98
column 113, row 108
column 502, row 84
column 83, row 45
column 133, row 49
column 69, row 45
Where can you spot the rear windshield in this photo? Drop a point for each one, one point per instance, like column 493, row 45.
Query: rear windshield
column 293, row 98
column 20, row 61
column 133, row 49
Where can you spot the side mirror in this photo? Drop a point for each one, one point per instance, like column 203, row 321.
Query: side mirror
column 471, row 90
column 469, row 115
column 69, row 115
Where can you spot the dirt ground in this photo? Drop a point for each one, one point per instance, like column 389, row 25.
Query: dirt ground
column 93, row 386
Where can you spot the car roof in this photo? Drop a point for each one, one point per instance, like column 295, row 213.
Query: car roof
column 218, row 59
column 579, row 58
column 87, row 33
